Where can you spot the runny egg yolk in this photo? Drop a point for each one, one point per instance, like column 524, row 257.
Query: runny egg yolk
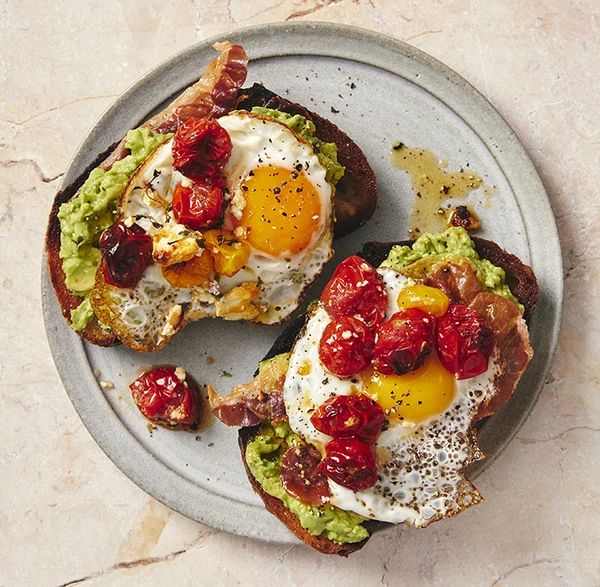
column 282, row 212
column 415, row 396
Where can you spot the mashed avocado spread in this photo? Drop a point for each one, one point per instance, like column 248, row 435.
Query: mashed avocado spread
column 84, row 217
column 326, row 152
column 453, row 242
column 263, row 455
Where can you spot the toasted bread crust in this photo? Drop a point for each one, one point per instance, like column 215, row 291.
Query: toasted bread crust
column 67, row 300
column 278, row 509
column 356, row 193
column 519, row 277
column 523, row 284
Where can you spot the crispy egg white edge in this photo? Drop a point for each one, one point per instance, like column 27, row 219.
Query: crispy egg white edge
column 305, row 393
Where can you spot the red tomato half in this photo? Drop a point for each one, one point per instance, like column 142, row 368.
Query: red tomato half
column 346, row 416
column 198, row 206
column 356, row 289
column 126, row 252
column 404, row 341
column 164, row 398
column 465, row 342
column 350, row 463
column 346, row 346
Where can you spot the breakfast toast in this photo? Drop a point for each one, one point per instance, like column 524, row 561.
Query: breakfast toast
column 356, row 192
column 524, row 286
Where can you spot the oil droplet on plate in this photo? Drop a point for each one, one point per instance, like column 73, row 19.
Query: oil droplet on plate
column 433, row 185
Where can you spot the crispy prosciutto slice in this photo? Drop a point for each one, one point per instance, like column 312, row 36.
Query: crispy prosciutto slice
column 512, row 342
column 302, row 477
column 460, row 283
column 249, row 404
column 457, row 280
column 214, row 94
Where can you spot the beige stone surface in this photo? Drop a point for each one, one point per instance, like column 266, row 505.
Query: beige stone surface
column 68, row 516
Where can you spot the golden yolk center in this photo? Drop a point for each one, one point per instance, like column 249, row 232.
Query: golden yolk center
column 282, row 212
column 415, row 396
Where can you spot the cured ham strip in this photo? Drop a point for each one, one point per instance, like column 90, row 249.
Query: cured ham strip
column 512, row 341
column 511, row 336
column 214, row 94
column 249, row 404
column 301, row 476
column 458, row 281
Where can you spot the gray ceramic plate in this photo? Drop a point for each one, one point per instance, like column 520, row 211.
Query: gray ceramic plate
column 399, row 94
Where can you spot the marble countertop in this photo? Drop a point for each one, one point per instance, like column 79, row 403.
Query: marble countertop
column 68, row 516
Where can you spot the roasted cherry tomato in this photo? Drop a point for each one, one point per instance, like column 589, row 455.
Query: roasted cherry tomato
column 350, row 463
column 164, row 396
column 346, row 346
column 404, row 341
column 199, row 270
column 465, row 341
column 356, row 289
column 201, row 148
column 126, row 252
column 229, row 254
column 349, row 416
column 198, row 206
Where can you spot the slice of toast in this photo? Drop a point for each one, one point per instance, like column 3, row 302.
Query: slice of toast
column 524, row 286
column 216, row 88
column 68, row 301
column 278, row 509
column 356, row 193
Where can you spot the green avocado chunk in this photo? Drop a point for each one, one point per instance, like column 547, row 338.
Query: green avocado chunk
column 326, row 152
column 263, row 455
column 84, row 217
column 456, row 242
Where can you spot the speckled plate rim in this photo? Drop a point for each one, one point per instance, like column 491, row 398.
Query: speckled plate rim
column 372, row 49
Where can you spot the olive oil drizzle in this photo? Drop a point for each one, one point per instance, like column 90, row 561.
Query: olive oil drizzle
column 433, row 185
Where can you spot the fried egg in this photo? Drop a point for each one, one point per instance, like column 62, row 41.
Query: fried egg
column 278, row 204
column 422, row 454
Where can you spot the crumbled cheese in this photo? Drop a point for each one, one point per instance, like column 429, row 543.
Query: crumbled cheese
column 240, row 233
column 106, row 385
column 173, row 319
column 174, row 244
column 237, row 205
column 180, row 373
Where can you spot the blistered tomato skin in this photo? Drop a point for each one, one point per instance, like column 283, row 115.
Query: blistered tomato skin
column 356, row 289
column 201, row 149
column 198, row 206
column 346, row 346
column 349, row 416
column 465, row 342
column 164, row 398
column 126, row 252
column 350, row 463
column 404, row 341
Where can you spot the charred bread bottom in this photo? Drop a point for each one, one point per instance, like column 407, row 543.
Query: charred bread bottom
column 524, row 286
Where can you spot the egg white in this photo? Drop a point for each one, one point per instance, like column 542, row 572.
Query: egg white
column 255, row 141
column 420, row 469
column 258, row 142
